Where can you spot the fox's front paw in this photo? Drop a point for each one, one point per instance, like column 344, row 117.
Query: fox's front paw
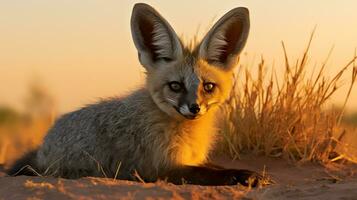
column 243, row 177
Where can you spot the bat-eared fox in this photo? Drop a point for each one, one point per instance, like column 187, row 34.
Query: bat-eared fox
column 162, row 131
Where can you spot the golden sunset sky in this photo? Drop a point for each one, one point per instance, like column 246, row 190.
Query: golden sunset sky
column 82, row 50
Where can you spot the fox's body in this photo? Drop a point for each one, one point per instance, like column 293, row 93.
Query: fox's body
column 164, row 130
column 132, row 131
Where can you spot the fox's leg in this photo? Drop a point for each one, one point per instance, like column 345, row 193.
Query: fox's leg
column 211, row 176
column 211, row 165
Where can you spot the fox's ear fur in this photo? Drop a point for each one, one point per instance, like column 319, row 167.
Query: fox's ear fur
column 226, row 39
column 154, row 38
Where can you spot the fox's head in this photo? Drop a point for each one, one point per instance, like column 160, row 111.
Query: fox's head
column 182, row 81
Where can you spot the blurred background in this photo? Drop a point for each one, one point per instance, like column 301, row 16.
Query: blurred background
column 56, row 56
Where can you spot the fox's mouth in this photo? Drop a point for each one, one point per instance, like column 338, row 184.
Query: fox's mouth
column 191, row 117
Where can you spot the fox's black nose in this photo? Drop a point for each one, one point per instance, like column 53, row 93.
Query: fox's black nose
column 194, row 108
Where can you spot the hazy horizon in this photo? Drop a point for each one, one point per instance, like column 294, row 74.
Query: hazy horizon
column 82, row 50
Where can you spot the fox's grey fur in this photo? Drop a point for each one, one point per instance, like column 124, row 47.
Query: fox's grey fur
column 165, row 129
column 129, row 130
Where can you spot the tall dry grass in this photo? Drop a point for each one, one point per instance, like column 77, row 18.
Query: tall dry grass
column 289, row 119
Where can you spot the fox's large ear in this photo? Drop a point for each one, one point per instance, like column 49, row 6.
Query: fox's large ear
column 154, row 38
column 226, row 39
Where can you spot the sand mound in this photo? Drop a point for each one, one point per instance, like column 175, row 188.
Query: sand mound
column 309, row 181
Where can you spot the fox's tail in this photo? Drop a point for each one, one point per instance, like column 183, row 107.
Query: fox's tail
column 26, row 165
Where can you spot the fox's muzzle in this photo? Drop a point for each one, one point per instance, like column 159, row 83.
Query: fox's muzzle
column 191, row 111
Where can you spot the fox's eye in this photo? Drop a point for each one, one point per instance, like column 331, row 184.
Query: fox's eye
column 209, row 87
column 175, row 86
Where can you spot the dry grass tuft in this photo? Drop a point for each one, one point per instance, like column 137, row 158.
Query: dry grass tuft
column 22, row 131
column 288, row 120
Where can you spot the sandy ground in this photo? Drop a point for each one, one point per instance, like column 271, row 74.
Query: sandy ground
column 308, row 181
